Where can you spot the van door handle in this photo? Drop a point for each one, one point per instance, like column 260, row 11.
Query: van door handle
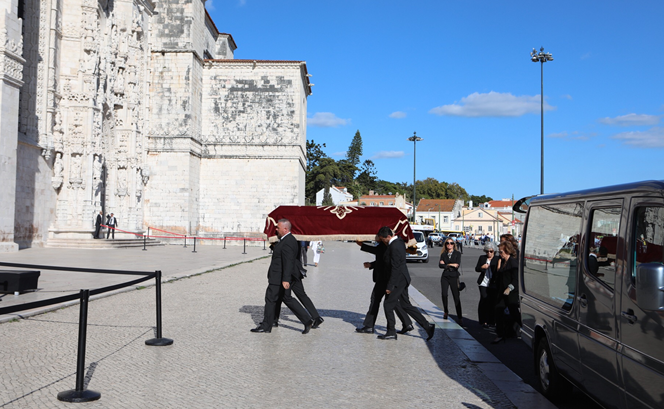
column 629, row 314
column 583, row 300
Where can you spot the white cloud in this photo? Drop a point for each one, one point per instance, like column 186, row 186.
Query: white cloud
column 631, row 120
column 388, row 155
column 586, row 56
column 567, row 96
column 242, row 2
column 398, row 114
column 340, row 154
column 209, row 5
column 326, row 120
column 652, row 138
column 495, row 104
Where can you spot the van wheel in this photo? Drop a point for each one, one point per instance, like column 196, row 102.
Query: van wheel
column 552, row 384
column 426, row 260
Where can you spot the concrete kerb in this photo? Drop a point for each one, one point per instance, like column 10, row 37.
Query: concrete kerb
column 165, row 279
column 517, row 391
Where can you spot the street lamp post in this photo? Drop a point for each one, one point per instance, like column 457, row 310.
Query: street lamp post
column 541, row 57
column 414, row 139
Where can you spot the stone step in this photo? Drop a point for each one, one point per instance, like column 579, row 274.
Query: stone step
column 101, row 243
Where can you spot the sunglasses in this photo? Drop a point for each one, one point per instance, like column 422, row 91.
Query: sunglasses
column 490, row 251
column 449, row 242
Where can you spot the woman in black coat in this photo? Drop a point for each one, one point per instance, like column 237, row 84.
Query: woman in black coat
column 487, row 266
column 450, row 260
column 507, row 291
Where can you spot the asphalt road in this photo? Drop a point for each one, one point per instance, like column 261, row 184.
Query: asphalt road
column 514, row 353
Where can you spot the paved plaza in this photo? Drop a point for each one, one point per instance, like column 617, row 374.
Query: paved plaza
column 212, row 300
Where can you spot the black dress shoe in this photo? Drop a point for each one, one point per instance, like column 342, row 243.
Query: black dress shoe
column 317, row 322
column 430, row 331
column 406, row 329
column 308, row 326
column 261, row 329
column 275, row 324
column 388, row 336
column 364, row 330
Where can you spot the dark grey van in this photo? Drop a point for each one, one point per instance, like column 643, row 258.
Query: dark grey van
column 592, row 292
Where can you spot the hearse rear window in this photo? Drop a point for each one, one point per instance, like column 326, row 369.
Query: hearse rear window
column 551, row 253
column 649, row 237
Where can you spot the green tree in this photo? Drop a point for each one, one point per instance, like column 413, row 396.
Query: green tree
column 367, row 179
column 479, row 199
column 321, row 177
column 314, row 154
column 355, row 150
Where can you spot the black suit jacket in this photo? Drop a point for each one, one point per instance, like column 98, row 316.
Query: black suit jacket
column 395, row 256
column 455, row 258
column 99, row 220
column 509, row 274
column 494, row 268
column 285, row 261
column 381, row 272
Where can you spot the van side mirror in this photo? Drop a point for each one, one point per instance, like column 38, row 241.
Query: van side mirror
column 650, row 286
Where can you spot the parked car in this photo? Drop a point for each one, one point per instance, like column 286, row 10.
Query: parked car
column 591, row 274
column 422, row 253
column 436, row 237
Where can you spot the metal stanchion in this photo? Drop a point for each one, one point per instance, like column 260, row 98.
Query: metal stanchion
column 194, row 245
column 224, row 242
column 264, row 244
column 144, row 242
column 80, row 394
column 185, row 241
column 159, row 341
column 245, row 246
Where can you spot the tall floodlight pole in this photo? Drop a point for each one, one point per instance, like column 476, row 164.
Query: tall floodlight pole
column 542, row 57
column 414, row 139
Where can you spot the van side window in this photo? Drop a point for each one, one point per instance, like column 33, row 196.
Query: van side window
column 550, row 253
column 600, row 253
column 648, row 236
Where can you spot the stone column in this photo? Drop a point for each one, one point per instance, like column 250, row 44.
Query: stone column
column 11, row 80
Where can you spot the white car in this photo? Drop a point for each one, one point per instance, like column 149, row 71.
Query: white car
column 436, row 237
column 422, row 249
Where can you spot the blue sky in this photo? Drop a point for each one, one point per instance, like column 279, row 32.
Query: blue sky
column 459, row 74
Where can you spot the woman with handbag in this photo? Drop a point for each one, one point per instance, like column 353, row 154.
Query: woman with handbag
column 450, row 260
column 507, row 291
column 318, row 249
column 487, row 266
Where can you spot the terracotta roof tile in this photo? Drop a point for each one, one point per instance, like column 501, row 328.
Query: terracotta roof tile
column 445, row 205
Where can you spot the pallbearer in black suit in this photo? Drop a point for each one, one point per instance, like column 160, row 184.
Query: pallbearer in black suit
column 381, row 275
column 283, row 271
column 397, row 286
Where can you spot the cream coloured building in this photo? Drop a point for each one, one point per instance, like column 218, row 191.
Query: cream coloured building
column 138, row 107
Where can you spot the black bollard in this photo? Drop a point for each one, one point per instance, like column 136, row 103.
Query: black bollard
column 80, row 394
column 144, row 242
column 185, row 241
column 224, row 242
column 159, row 341
column 263, row 244
column 245, row 247
column 194, row 245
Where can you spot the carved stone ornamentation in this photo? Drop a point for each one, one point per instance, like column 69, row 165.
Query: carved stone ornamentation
column 58, row 171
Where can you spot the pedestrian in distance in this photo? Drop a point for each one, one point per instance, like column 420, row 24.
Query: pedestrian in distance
column 112, row 223
column 450, row 260
column 318, row 249
column 397, row 286
column 487, row 266
column 283, row 271
column 507, row 293
column 98, row 223
column 303, row 252
column 381, row 276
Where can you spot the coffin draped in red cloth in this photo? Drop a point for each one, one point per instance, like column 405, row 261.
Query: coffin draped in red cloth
column 339, row 222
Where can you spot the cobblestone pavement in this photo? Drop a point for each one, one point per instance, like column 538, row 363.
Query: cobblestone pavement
column 216, row 362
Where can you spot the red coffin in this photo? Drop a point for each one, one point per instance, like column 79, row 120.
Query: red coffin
column 339, row 222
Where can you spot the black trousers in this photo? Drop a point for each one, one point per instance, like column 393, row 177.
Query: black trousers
column 460, row 246
column 297, row 288
column 376, row 297
column 97, row 232
column 504, row 322
column 448, row 282
column 273, row 294
column 485, row 312
column 400, row 295
column 111, row 230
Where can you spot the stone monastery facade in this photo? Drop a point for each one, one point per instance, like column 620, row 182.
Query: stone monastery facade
column 138, row 107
